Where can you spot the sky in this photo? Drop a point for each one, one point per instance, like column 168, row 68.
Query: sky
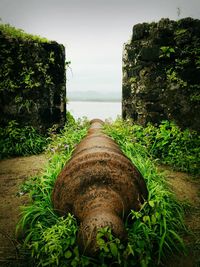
column 92, row 31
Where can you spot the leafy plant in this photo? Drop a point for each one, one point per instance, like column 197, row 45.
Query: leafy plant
column 173, row 76
column 180, row 32
column 9, row 30
column 39, row 222
column 55, row 243
column 132, row 79
column 17, row 141
column 166, row 51
column 110, row 247
column 152, row 231
column 185, row 58
column 23, row 79
column 195, row 97
column 171, row 145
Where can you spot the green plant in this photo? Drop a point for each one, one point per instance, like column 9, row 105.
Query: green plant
column 54, row 244
column 40, row 224
column 17, row 141
column 9, row 30
column 110, row 247
column 152, row 232
column 180, row 32
column 181, row 60
column 22, row 79
column 195, row 97
column 132, row 79
column 170, row 145
column 166, row 51
column 172, row 76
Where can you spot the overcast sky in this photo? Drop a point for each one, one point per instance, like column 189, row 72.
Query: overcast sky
column 93, row 31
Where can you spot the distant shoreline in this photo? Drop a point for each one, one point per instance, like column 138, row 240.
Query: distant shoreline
column 95, row 109
column 95, row 100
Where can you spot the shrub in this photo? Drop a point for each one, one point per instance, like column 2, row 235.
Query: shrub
column 171, row 145
column 20, row 141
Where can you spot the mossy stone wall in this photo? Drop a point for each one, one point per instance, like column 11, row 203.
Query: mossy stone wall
column 161, row 73
column 32, row 82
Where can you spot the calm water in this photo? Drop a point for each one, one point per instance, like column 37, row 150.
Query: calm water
column 100, row 110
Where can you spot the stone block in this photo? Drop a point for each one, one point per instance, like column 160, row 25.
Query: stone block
column 32, row 82
column 167, row 79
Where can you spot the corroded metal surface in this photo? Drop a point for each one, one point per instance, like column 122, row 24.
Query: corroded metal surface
column 99, row 185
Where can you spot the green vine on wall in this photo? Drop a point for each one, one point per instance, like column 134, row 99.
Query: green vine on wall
column 16, row 72
column 26, row 66
column 166, row 51
column 9, row 30
column 180, row 60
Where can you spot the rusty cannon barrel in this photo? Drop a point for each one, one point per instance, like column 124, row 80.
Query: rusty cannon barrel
column 99, row 185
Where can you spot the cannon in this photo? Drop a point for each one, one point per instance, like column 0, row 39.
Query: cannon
column 99, row 185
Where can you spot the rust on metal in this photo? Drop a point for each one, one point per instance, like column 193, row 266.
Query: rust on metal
column 99, row 185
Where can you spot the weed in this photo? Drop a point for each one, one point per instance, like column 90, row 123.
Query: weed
column 50, row 238
column 18, row 141
column 152, row 231
column 55, row 242
column 9, row 30
column 166, row 51
column 171, row 145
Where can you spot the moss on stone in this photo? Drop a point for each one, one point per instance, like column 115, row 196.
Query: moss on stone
column 164, row 58
column 11, row 32
column 32, row 79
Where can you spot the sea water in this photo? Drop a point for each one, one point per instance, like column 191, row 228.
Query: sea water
column 91, row 110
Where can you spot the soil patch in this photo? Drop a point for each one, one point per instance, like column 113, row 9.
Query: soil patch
column 13, row 172
column 187, row 190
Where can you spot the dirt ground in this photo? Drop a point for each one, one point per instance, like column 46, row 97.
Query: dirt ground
column 187, row 190
column 13, row 172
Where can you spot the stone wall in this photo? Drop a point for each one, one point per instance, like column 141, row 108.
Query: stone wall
column 32, row 80
column 161, row 73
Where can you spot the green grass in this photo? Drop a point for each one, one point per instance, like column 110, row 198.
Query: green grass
column 170, row 145
column 13, row 32
column 153, row 232
column 20, row 141
column 38, row 220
